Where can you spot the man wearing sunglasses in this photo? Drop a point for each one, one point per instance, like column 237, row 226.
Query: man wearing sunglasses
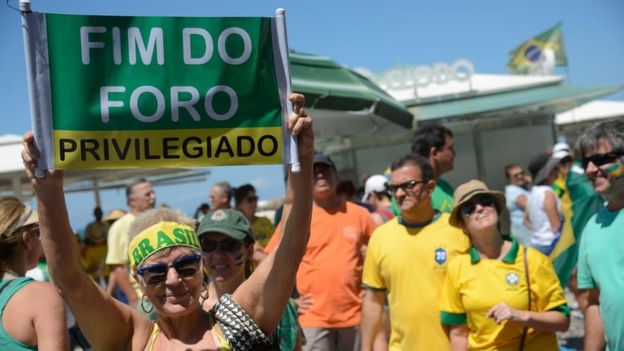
column 407, row 257
column 600, row 263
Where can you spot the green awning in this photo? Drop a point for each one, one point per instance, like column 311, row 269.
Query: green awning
column 545, row 99
column 328, row 85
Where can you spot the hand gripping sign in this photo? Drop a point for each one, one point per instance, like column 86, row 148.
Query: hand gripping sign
column 126, row 92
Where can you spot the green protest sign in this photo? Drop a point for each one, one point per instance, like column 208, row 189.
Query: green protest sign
column 158, row 91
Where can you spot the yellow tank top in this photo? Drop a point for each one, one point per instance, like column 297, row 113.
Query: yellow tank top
column 222, row 343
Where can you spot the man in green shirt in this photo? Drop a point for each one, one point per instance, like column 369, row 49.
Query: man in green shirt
column 435, row 143
column 600, row 263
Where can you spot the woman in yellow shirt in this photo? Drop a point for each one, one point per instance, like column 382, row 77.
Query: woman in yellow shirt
column 501, row 295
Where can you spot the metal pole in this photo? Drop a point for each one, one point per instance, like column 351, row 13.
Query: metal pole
column 280, row 25
column 35, row 50
column 476, row 139
column 96, row 193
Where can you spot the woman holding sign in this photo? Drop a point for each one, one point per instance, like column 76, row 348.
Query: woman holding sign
column 167, row 262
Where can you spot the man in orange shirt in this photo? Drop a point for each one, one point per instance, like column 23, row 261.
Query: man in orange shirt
column 330, row 275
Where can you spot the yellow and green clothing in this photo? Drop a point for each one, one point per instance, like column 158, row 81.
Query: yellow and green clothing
column 409, row 263
column 262, row 230
column 442, row 197
column 474, row 285
column 237, row 331
column 93, row 261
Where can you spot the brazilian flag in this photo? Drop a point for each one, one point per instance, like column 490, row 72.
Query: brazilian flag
column 528, row 54
column 579, row 203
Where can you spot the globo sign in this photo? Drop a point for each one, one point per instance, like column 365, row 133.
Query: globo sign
column 423, row 75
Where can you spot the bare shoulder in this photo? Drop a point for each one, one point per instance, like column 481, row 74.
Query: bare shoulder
column 142, row 330
column 41, row 294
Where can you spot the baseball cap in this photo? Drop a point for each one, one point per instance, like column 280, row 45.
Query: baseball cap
column 324, row 159
column 229, row 222
column 541, row 166
column 561, row 150
column 375, row 183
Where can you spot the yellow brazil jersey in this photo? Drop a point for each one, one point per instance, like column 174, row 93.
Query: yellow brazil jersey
column 473, row 286
column 409, row 263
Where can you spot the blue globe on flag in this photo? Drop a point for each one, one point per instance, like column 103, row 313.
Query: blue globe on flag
column 533, row 53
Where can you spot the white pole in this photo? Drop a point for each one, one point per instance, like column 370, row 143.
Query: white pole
column 280, row 24
column 29, row 49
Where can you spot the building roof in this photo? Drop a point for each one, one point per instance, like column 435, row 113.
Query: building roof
column 545, row 99
column 590, row 111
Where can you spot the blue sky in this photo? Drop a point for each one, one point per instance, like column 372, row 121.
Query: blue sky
column 373, row 34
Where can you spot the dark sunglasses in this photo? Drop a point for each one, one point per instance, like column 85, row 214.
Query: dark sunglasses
column 226, row 245
column 485, row 201
column 601, row 159
column 185, row 266
column 251, row 199
column 409, row 185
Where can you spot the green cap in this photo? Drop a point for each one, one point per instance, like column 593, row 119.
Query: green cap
column 228, row 222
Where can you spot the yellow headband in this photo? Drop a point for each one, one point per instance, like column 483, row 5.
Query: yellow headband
column 158, row 237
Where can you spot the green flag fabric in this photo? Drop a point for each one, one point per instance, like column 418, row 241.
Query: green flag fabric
column 149, row 92
column 528, row 54
column 585, row 202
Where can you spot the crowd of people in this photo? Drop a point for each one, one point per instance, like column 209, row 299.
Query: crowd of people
column 406, row 263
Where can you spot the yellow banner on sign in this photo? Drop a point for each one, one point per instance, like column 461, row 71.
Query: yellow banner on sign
column 167, row 148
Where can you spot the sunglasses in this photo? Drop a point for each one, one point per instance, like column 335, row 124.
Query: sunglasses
column 485, row 201
column 409, row 185
column 226, row 245
column 601, row 159
column 185, row 266
column 251, row 199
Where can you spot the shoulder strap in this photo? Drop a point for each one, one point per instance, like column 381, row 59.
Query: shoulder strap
column 4, row 286
column 152, row 338
column 528, row 281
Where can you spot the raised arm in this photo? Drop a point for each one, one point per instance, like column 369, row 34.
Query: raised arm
column 265, row 294
column 106, row 323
